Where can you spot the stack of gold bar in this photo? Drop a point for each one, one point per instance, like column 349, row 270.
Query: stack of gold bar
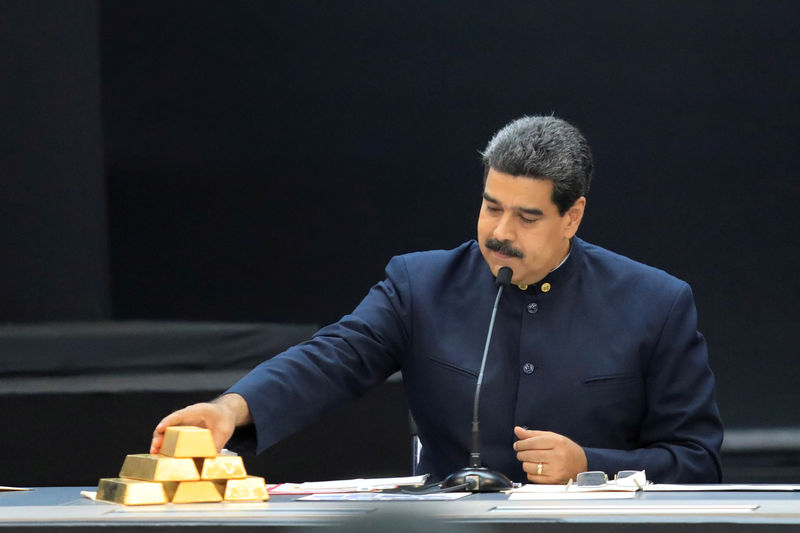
column 187, row 470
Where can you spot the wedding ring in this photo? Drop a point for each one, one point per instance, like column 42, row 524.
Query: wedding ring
column 539, row 470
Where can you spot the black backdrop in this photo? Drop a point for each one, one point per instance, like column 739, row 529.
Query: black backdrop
column 264, row 160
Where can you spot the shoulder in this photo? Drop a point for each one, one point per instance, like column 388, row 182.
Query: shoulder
column 623, row 274
column 439, row 266
column 463, row 251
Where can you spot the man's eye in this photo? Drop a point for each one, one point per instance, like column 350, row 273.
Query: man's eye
column 528, row 220
column 494, row 209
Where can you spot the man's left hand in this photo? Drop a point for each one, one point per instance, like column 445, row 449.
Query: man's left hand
column 561, row 459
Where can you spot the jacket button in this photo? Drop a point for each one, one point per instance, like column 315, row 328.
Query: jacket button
column 528, row 368
column 533, row 307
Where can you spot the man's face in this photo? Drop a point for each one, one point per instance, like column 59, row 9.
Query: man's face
column 519, row 226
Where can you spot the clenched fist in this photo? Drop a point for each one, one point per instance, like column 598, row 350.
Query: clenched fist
column 548, row 457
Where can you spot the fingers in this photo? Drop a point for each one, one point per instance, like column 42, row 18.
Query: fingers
column 535, row 452
column 535, row 440
column 198, row 414
column 221, row 439
column 547, row 474
column 173, row 419
column 548, row 457
column 158, row 432
column 204, row 415
column 544, row 470
column 525, row 433
column 535, row 457
column 155, row 444
column 531, row 460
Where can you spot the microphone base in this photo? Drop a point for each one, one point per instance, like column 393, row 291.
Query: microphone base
column 480, row 479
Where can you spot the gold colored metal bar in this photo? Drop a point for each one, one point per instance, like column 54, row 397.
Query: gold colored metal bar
column 188, row 441
column 221, row 467
column 130, row 491
column 192, row 491
column 251, row 488
column 149, row 467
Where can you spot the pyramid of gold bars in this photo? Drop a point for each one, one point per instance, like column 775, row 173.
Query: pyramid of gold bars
column 187, row 470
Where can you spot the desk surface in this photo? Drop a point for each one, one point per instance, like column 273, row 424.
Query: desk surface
column 64, row 507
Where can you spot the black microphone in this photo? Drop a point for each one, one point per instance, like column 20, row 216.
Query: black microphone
column 476, row 478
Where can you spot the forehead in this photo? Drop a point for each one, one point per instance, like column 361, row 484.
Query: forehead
column 518, row 191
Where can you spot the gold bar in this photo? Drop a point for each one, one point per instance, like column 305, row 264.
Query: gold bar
column 221, row 467
column 188, row 441
column 192, row 491
column 251, row 488
column 130, row 491
column 149, row 467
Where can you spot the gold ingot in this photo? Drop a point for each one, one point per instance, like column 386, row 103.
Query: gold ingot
column 546, row 287
column 251, row 488
column 192, row 492
column 130, row 491
column 149, row 467
column 221, row 467
column 188, row 441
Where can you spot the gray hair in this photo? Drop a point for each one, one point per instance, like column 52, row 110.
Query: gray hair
column 543, row 148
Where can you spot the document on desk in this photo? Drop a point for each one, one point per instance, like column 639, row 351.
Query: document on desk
column 347, row 485
column 718, row 487
column 384, row 497
column 570, row 492
column 2, row 488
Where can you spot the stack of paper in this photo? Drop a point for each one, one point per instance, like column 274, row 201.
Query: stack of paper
column 347, row 485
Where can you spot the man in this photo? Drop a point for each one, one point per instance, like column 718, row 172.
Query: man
column 595, row 361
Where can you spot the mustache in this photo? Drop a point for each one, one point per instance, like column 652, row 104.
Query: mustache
column 503, row 247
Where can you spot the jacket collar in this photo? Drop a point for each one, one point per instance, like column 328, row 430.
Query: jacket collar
column 559, row 277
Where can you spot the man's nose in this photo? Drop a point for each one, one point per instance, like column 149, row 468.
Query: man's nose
column 504, row 231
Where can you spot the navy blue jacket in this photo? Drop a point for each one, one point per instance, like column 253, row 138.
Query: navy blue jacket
column 610, row 357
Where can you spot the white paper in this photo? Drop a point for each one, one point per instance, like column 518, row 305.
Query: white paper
column 573, row 508
column 570, row 495
column 384, row 496
column 611, row 486
column 717, row 487
column 347, row 485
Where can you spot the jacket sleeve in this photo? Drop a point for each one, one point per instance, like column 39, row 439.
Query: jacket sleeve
column 339, row 363
column 681, row 431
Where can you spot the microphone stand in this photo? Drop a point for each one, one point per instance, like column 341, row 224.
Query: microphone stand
column 477, row 478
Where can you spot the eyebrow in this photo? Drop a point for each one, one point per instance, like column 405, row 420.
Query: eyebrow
column 526, row 210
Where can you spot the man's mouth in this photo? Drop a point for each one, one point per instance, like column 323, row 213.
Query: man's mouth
column 503, row 248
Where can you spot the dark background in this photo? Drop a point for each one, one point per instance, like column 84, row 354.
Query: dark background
column 262, row 161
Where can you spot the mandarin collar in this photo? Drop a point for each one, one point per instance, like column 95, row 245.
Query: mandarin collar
column 559, row 277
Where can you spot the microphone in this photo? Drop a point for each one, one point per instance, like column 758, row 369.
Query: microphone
column 476, row 478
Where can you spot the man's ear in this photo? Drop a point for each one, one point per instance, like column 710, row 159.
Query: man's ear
column 573, row 217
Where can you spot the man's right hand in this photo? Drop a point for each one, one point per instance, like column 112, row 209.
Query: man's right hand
column 220, row 416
